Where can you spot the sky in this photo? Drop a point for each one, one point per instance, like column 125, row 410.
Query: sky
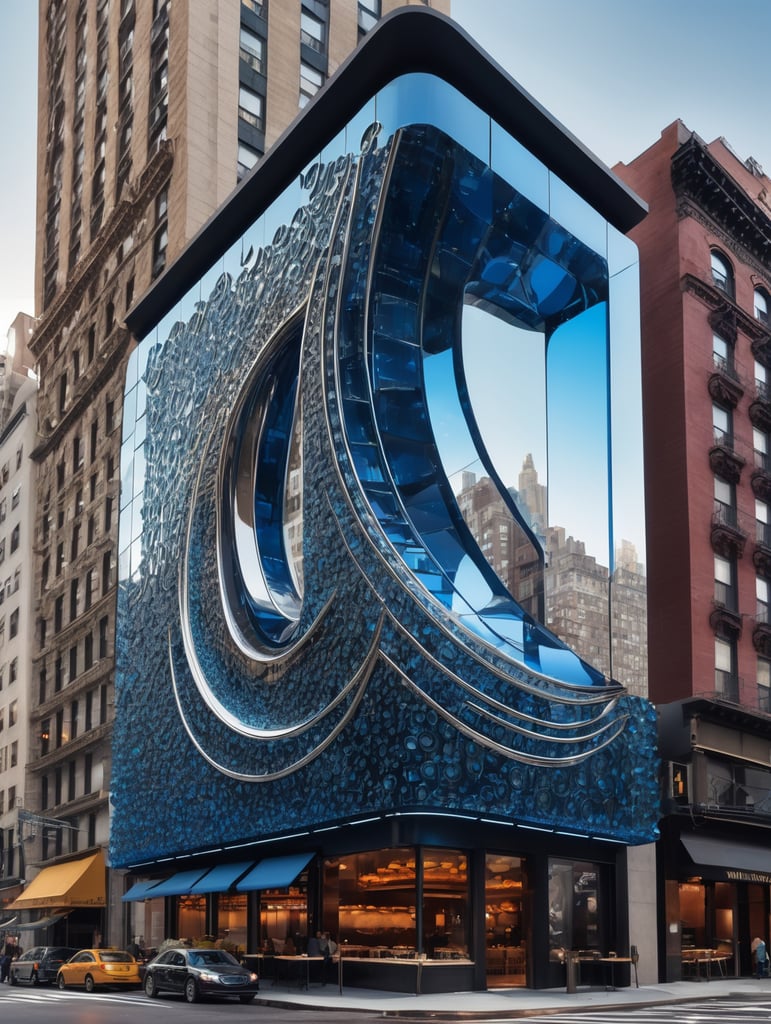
column 615, row 73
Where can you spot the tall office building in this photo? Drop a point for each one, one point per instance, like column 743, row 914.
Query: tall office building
column 705, row 251
column 18, row 391
column 149, row 114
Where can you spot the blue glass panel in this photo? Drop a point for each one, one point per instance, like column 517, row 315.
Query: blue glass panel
column 423, row 99
column 577, row 216
column 519, row 167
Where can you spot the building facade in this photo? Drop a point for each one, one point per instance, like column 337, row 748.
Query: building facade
column 17, row 629
column 379, row 740
column 148, row 116
column 705, row 286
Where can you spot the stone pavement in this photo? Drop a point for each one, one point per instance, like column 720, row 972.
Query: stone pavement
column 507, row 1003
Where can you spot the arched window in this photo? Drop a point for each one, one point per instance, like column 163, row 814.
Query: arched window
column 761, row 305
column 722, row 273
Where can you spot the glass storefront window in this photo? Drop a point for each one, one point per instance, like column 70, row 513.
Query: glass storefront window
column 377, row 900
column 692, row 915
column 284, row 916
column 445, row 903
column 574, row 906
column 231, row 921
column 505, row 926
column 191, row 917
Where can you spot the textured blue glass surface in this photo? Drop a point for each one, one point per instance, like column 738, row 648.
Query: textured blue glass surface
column 380, row 650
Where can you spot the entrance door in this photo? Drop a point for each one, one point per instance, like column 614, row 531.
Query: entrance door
column 504, row 920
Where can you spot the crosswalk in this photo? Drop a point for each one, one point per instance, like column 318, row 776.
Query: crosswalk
column 713, row 1011
column 39, row 996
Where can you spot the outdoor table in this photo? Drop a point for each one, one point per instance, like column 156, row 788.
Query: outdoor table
column 298, row 962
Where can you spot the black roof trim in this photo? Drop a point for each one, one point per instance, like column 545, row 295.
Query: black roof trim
column 408, row 40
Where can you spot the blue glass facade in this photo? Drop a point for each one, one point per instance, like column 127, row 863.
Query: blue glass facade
column 302, row 598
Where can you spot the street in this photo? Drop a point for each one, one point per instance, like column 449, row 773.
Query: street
column 31, row 1005
column 24, row 1005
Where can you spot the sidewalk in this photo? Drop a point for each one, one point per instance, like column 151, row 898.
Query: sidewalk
column 508, row 1003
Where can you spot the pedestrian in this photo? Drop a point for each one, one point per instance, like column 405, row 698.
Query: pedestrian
column 758, row 947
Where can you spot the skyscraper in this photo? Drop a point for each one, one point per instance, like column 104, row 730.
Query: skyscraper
column 149, row 114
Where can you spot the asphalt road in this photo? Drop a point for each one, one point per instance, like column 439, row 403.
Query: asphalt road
column 24, row 1005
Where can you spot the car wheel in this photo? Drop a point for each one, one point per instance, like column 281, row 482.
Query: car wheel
column 151, row 989
column 246, row 999
column 89, row 983
column 61, row 982
column 191, row 991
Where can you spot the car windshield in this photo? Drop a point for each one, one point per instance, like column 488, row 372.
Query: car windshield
column 115, row 958
column 211, row 956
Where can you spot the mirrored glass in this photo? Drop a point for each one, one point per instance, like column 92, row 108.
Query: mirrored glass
column 519, row 167
column 577, row 216
column 424, row 99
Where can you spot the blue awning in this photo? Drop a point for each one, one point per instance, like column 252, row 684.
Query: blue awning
column 139, row 891
column 177, row 885
column 221, row 877
column 275, row 872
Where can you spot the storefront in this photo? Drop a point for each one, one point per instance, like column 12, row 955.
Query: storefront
column 470, row 916
column 718, row 892
column 63, row 904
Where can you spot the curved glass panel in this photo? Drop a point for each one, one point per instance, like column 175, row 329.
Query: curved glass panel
column 260, row 583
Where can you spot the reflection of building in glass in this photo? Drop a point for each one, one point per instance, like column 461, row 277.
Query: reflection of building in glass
column 583, row 605
column 376, row 744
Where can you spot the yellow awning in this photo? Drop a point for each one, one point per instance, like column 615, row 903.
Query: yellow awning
column 76, row 883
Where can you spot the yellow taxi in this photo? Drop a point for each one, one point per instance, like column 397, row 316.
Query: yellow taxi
column 99, row 968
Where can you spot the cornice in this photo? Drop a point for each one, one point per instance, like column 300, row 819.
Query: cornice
column 704, row 188
column 722, row 307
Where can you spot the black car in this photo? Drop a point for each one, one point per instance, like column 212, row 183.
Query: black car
column 195, row 973
column 38, row 966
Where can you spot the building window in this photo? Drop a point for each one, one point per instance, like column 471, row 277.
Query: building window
column 760, row 448
column 761, row 305
column 726, row 682
column 311, row 81
column 247, row 158
column 161, row 238
column 764, row 684
column 369, row 12
column 313, row 31
column 15, row 496
column 251, row 108
column 15, row 533
column 721, row 425
column 725, row 591
column 252, row 50
column 13, row 623
column 722, row 273
column 762, row 595
column 13, row 713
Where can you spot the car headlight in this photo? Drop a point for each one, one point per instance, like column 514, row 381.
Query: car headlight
column 208, row 977
column 254, row 977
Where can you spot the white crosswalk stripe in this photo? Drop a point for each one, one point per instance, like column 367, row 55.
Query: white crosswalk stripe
column 719, row 1011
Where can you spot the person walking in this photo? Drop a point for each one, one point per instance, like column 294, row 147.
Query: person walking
column 758, row 947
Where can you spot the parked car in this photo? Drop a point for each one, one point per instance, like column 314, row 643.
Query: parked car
column 99, row 968
column 195, row 973
column 39, row 965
